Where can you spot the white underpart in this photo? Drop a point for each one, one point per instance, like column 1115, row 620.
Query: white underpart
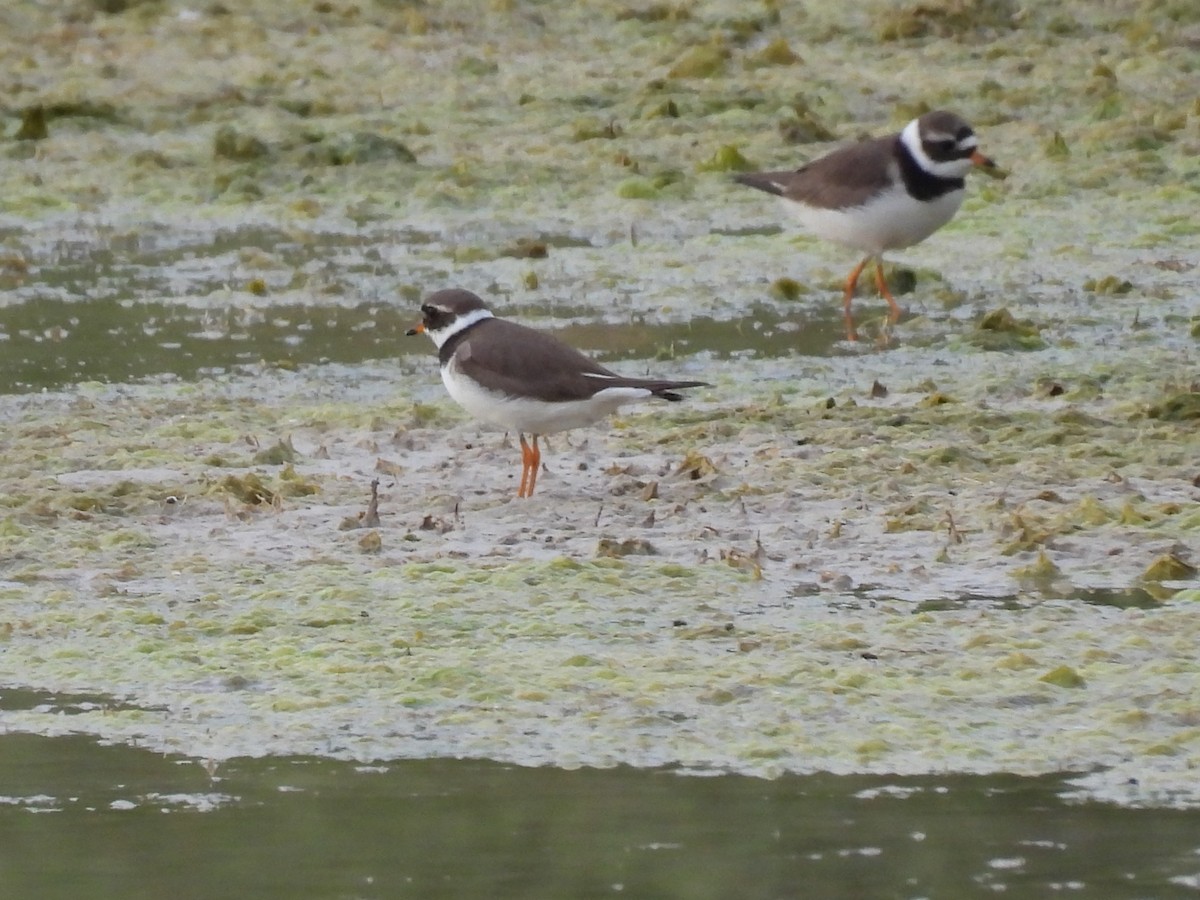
column 534, row 416
column 891, row 220
column 462, row 322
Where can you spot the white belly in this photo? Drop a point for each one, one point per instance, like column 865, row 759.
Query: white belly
column 890, row 221
column 534, row 416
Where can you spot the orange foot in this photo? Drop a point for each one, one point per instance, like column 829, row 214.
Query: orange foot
column 880, row 282
column 531, row 461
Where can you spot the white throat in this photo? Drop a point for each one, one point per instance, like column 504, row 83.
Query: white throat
column 954, row 168
column 442, row 335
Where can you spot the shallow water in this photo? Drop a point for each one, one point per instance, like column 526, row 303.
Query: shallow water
column 949, row 574
column 117, row 822
column 124, row 310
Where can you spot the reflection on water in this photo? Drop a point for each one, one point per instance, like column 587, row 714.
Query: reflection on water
column 1148, row 596
column 51, row 343
column 135, row 306
column 114, row 822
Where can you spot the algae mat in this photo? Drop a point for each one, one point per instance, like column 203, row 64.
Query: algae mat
column 876, row 560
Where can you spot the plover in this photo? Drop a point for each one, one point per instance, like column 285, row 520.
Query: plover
column 519, row 379
column 882, row 194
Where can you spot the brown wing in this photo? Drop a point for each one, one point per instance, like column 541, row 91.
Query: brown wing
column 847, row 177
column 510, row 358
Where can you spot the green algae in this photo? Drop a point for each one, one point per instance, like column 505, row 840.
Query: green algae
column 1056, row 147
column 1000, row 330
column 628, row 547
column 1064, row 677
column 33, row 125
column 358, row 148
column 776, row 53
column 704, row 61
column 590, row 129
column 803, row 126
column 1108, row 285
column 248, row 488
column 958, row 19
column 1183, row 406
column 652, row 187
column 787, row 288
column 655, row 12
column 727, row 159
column 229, row 143
column 1169, row 567
column 485, row 610
column 277, row 454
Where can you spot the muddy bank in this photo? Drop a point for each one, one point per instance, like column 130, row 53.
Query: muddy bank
column 888, row 586
column 971, row 570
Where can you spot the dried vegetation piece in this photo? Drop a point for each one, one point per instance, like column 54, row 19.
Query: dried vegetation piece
column 435, row 524
column 293, row 484
column 727, row 159
column 1001, row 330
column 776, row 53
column 1169, row 567
column 1056, row 147
column 750, row 563
column 649, row 187
column 947, row 19
column 616, row 549
column 357, row 148
column 787, row 289
column 1183, row 406
column 1040, row 574
column 696, row 465
column 369, row 518
column 703, row 61
column 1108, row 286
column 900, row 279
column 249, row 489
column 280, row 453
column 664, row 109
column 229, row 143
column 33, row 125
column 527, row 248
column 592, row 129
column 655, row 12
column 1064, row 677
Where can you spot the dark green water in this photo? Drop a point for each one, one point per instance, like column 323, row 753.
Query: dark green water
column 82, row 820
column 53, row 343
column 125, row 308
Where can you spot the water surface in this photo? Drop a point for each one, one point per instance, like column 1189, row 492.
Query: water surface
column 81, row 819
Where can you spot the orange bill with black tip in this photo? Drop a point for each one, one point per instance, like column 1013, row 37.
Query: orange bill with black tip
column 987, row 165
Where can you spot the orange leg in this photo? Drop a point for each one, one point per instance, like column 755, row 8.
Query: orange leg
column 881, row 283
column 851, row 283
column 535, row 463
column 525, row 454
column 531, row 461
